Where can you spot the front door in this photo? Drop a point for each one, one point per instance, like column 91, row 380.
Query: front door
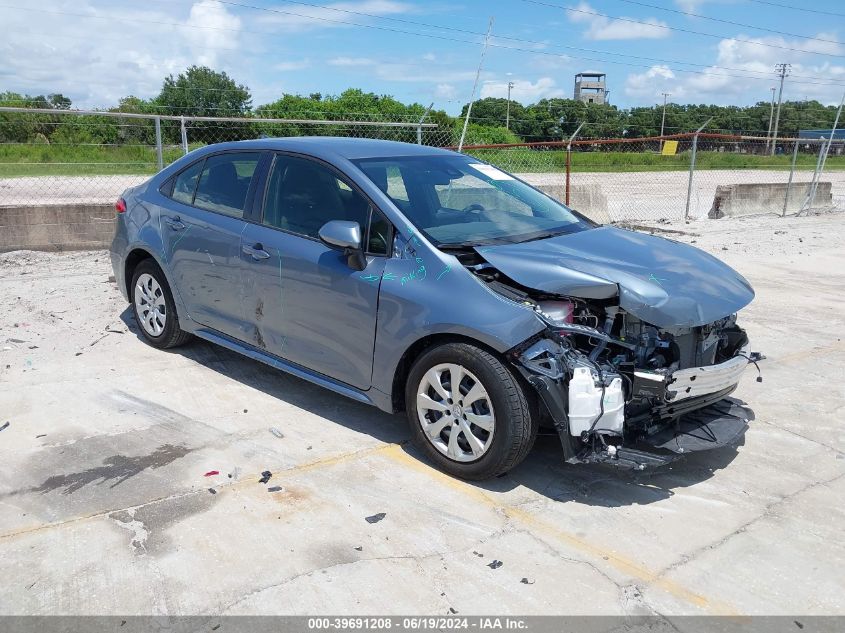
column 306, row 304
column 201, row 232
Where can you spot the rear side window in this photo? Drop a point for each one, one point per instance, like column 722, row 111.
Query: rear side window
column 224, row 182
column 186, row 183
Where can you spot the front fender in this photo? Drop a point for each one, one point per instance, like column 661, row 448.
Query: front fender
column 423, row 296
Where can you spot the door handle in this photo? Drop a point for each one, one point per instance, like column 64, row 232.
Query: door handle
column 256, row 251
column 175, row 223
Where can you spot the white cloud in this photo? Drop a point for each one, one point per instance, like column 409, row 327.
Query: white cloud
column 602, row 28
column 351, row 61
column 690, row 6
column 291, row 65
column 523, row 91
column 446, row 92
column 653, row 82
column 207, row 19
column 118, row 50
column 743, row 72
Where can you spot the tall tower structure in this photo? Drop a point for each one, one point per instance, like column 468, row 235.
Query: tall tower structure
column 590, row 88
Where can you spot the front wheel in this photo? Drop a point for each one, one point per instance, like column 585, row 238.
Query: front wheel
column 468, row 412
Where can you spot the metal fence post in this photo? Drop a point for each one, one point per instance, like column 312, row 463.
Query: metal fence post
column 159, row 156
column 184, row 135
column 791, row 173
column 692, row 165
column 569, row 159
column 811, row 195
column 419, row 125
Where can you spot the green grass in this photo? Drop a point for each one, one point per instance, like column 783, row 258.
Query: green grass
column 80, row 160
column 91, row 160
column 523, row 160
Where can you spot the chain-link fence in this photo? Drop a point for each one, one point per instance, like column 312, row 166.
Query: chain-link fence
column 55, row 157
column 623, row 179
column 50, row 157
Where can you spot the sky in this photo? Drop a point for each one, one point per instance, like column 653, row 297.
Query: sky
column 700, row 51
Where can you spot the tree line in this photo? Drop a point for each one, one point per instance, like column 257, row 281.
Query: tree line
column 203, row 92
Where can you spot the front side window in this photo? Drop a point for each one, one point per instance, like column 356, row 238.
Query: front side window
column 224, row 182
column 455, row 200
column 303, row 195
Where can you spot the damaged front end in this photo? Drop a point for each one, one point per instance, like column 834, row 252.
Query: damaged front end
column 621, row 390
column 633, row 395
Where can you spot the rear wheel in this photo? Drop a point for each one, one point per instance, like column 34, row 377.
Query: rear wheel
column 468, row 412
column 154, row 308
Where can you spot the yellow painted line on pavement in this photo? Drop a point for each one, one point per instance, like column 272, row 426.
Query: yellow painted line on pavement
column 543, row 527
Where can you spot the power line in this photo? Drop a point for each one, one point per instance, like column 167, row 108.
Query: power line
column 478, row 34
column 500, row 37
column 731, row 22
column 442, row 38
column 787, row 6
column 675, row 28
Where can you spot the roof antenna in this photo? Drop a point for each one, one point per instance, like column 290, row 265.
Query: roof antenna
column 475, row 85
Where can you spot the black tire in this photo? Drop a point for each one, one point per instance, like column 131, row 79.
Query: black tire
column 171, row 335
column 515, row 426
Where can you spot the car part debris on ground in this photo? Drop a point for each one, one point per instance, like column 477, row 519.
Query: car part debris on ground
column 375, row 518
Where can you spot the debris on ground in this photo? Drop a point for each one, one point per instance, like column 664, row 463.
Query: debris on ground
column 4, row 427
column 212, row 491
column 452, row 610
column 375, row 518
column 40, row 435
column 478, row 554
column 95, row 341
column 211, row 472
column 277, row 432
column 358, row 549
column 265, row 477
column 525, row 581
column 275, row 489
column 495, row 564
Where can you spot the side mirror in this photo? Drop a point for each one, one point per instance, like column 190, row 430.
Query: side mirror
column 346, row 236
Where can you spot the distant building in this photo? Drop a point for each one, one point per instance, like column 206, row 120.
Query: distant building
column 839, row 135
column 590, row 88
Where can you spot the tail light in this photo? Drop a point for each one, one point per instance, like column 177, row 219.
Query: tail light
column 120, row 205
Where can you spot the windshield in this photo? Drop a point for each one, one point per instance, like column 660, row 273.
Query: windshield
column 457, row 200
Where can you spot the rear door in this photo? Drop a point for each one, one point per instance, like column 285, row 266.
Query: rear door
column 308, row 305
column 201, row 232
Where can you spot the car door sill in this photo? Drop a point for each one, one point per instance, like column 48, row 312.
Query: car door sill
column 274, row 361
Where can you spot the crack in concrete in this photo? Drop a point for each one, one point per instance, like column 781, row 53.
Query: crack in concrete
column 803, row 437
column 290, row 579
column 766, row 513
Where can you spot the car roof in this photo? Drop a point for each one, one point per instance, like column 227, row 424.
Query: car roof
column 334, row 146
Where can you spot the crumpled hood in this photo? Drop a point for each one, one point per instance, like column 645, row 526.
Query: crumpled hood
column 659, row 281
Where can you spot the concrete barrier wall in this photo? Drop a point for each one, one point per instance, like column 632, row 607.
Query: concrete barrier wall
column 587, row 199
column 56, row 227
column 754, row 199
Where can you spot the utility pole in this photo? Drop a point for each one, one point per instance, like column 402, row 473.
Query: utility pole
column 771, row 115
column 475, row 85
column 508, row 115
column 663, row 120
column 783, row 69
